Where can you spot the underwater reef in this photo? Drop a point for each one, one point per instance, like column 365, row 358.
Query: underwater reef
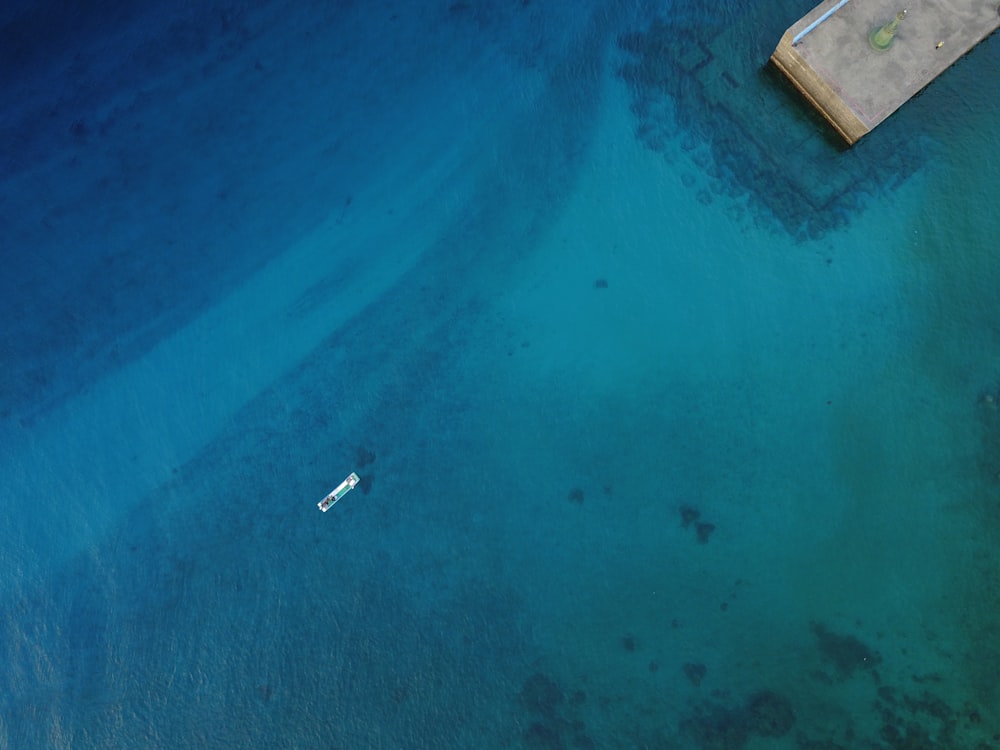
column 698, row 81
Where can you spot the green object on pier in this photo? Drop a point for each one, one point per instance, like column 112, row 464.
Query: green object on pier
column 881, row 38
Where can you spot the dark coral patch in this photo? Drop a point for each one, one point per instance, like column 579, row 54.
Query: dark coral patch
column 845, row 652
column 695, row 673
column 689, row 515
column 717, row 728
column 541, row 695
column 79, row 129
column 542, row 736
column 704, row 531
column 770, row 714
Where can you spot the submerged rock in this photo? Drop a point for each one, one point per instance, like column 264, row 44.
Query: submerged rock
column 541, row 695
column 770, row 714
column 695, row 673
column 845, row 652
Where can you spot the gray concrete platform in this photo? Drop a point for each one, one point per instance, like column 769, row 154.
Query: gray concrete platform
column 856, row 87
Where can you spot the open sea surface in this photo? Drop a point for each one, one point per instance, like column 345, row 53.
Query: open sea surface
column 677, row 422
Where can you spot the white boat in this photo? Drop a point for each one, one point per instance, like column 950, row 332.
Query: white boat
column 342, row 489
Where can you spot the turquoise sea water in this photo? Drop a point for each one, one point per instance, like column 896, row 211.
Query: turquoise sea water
column 676, row 421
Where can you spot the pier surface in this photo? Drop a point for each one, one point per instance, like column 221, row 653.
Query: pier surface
column 827, row 56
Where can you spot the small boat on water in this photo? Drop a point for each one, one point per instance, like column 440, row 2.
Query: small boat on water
column 342, row 489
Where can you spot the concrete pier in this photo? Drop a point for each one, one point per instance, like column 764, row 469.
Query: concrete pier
column 828, row 57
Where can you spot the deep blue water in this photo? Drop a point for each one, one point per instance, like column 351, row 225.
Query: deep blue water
column 676, row 420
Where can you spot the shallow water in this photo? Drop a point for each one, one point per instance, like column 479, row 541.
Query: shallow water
column 676, row 420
